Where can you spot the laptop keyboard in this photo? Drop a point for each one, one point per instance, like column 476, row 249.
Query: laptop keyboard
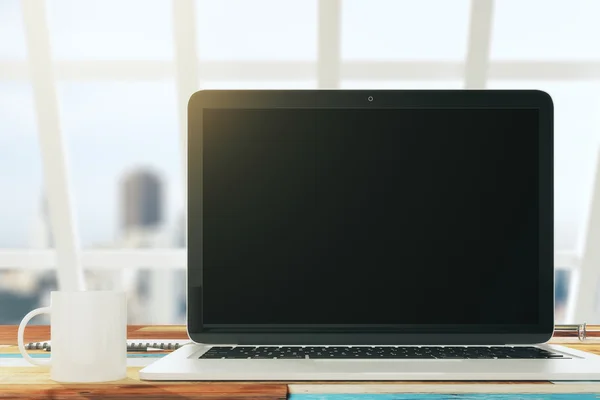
column 383, row 352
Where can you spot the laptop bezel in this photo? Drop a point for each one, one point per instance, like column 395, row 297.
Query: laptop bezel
column 413, row 334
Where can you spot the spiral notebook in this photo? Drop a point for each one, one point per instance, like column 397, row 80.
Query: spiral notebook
column 132, row 344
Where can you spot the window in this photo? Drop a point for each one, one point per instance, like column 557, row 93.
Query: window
column 116, row 134
column 110, row 29
column 22, row 204
column 12, row 27
column 402, row 84
column 122, row 80
column 235, row 84
column 263, row 30
column 546, row 30
column 388, row 30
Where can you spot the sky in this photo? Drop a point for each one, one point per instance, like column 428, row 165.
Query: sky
column 112, row 127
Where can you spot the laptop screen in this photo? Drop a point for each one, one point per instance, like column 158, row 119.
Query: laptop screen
column 370, row 216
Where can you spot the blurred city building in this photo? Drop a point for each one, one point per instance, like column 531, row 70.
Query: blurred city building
column 142, row 210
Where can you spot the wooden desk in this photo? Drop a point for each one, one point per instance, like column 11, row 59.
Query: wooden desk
column 34, row 382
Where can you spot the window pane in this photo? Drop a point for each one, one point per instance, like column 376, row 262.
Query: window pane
column 404, row 29
column 111, row 29
column 546, row 29
column 576, row 146
column 308, row 84
column 22, row 205
column 124, row 148
column 257, row 30
column 154, row 296
column 22, row 291
column 410, row 85
column 561, row 292
column 12, row 32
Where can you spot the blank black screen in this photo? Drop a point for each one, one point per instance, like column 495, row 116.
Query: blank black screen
column 370, row 216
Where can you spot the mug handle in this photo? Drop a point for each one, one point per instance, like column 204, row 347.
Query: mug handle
column 26, row 319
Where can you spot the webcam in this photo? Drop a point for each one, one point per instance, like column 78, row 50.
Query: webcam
column 370, row 98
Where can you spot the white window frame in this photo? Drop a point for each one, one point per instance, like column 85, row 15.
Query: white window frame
column 188, row 69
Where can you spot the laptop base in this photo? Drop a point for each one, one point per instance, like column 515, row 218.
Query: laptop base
column 184, row 364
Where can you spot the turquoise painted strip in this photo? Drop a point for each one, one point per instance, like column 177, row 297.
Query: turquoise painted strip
column 37, row 355
column 465, row 396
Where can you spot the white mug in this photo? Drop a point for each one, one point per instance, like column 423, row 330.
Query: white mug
column 88, row 333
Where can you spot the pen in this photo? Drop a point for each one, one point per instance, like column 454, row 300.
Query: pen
column 146, row 349
column 581, row 331
column 578, row 330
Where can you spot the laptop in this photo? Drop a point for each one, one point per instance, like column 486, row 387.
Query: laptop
column 371, row 235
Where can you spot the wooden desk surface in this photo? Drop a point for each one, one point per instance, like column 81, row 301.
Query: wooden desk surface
column 34, row 382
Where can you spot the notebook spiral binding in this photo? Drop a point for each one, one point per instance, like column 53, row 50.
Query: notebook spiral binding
column 37, row 346
column 139, row 346
column 578, row 330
